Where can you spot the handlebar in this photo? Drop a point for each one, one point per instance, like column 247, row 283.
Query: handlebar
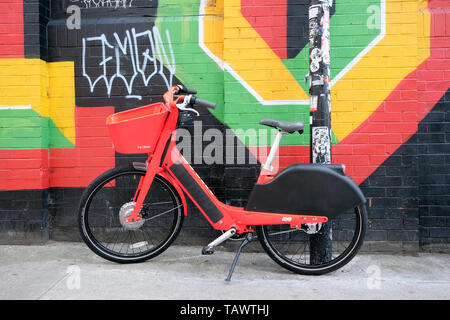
column 202, row 103
column 184, row 90
column 188, row 100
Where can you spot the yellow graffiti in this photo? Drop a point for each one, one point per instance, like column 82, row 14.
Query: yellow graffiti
column 213, row 31
column 370, row 81
column 237, row 43
column 357, row 92
column 48, row 88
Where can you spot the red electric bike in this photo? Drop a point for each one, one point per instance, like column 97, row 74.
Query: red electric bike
column 135, row 212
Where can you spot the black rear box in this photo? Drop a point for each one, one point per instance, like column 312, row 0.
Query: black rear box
column 307, row 189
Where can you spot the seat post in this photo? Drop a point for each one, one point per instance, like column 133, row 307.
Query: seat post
column 273, row 150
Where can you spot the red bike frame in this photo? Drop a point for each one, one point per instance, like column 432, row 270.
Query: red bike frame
column 168, row 162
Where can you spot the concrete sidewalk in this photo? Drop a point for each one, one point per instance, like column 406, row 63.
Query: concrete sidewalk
column 71, row 271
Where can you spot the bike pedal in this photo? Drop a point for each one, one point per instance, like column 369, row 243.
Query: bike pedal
column 207, row 251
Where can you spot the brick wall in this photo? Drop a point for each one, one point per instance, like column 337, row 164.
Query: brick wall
column 390, row 75
column 433, row 176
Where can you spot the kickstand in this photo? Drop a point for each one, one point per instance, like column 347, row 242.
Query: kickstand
column 247, row 240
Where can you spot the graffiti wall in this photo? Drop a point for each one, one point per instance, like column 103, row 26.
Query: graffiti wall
column 66, row 65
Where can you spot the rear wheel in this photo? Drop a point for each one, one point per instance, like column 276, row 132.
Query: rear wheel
column 109, row 200
column 294, row 249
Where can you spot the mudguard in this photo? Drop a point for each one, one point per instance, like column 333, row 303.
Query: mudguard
column 309, row 189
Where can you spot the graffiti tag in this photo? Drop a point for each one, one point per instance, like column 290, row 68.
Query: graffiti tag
column 105, row 3
column 144, row 53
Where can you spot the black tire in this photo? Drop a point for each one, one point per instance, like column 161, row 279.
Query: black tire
column 111, row 193
column 283, row 244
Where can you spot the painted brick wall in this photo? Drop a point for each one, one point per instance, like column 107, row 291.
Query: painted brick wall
column 433, row 174
column 390, row 119
column 11, row 32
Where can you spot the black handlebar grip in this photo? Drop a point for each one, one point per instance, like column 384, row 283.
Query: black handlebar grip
column 184, row 90
column 204, row 103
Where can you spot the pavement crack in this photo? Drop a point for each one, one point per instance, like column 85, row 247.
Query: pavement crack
column 53, row 286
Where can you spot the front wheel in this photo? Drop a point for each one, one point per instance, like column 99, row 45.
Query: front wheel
column 108, row 201
column 298, row 249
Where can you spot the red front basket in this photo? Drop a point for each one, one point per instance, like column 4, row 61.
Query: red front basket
column 137, row 130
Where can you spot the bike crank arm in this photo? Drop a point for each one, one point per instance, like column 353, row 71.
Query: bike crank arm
column 209, row 249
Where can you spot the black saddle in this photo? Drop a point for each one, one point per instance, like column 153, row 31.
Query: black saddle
column 289, row 127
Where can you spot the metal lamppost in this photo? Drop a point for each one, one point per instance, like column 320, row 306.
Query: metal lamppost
column 320, row 117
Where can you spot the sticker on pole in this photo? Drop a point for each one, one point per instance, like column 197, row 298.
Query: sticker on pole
column 321, row 152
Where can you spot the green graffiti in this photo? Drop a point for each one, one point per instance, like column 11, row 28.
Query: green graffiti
column 25, row 129
column 351, row 30
column 236, row 107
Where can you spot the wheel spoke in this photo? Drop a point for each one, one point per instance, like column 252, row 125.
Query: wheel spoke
column 292, row 249
column 118, row 240
column 284, row 232
column 165, row 212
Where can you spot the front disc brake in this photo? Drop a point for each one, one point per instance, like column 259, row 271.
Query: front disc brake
column 125, row 211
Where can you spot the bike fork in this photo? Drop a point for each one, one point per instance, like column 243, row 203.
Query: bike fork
column 142, row 190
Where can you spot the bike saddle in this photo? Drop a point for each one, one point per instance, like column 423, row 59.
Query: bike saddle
column 289, row 127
